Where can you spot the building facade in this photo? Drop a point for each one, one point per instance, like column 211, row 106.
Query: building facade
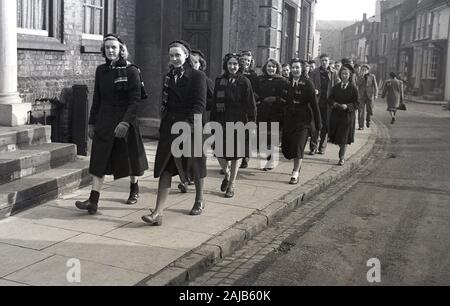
column 49, row 45
column 423, row 58
column 360, row 41
column 389, row 37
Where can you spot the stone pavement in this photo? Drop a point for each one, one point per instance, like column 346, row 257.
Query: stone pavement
column 418, row 100
column 116, row 248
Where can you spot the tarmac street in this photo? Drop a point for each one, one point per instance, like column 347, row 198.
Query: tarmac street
column 388, row 224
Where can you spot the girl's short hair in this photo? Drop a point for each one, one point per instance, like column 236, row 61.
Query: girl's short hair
column 249, row 53
column 227, row 58
column 114, row 37
column 186, row 48
column 346, row 67
column 273, row 61
column 201, row 59
column 296, row 60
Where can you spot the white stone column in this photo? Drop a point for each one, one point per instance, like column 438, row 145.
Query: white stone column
column 12, row 111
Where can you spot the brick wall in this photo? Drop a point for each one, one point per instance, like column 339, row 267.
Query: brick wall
column 48, row 74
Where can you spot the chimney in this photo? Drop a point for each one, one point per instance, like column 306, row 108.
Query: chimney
column 364, row 16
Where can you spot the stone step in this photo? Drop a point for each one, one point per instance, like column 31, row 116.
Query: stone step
column 34, row 159
column 13, row 138
column 37, row 189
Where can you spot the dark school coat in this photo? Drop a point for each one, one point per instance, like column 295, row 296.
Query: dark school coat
column 271, row 87
column 302, row 110
column 233, row 102
column 186, row 98
column 343, row 122
column 110, row 155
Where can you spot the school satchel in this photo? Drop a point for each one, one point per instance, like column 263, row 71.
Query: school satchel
column 144, row 95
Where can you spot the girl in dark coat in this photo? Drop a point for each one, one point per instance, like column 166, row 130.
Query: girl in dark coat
column 271, row 104
column 117, row 147
column 184, row 101
column 198, row 63
column 234, row 102
column 344, row 103
column 248, row 63
column 301, row 111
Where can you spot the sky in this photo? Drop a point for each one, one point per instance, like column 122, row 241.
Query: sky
column 344, row 9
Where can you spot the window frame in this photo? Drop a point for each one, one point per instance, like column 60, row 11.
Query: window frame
column 91, row 43
column 50, row 39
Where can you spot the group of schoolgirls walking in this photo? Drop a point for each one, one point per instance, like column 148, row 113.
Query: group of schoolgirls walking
column 237, row 96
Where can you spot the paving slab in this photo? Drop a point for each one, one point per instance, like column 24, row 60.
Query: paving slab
column 116, row 253
column 55, row 270
column 32, row 236
column 15, row 258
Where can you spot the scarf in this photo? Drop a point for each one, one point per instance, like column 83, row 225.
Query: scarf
column 121, row 75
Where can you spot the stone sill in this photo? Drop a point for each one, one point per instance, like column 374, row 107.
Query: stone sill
column 91, row 46
column 32, row 42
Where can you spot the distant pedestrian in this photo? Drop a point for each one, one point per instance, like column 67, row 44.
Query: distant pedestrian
column 117, row 146
column 344, row 103
column 183, row 100
column 368, row 93
column 394, row 94
column 306, row 70
column 248, row 64
column 234, row 102
column 301, row 111
column 324, row 79
column 286, row 71
column 313, row 66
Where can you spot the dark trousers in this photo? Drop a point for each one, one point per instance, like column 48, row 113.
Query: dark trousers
column 365, row 105
column 321, row 135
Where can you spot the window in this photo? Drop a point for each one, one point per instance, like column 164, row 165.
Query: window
column 98, row 18
column 39, row 25
column 33, row 17
column 429, row 26
column 418, row 26
column 425, row 63
column 433, row 63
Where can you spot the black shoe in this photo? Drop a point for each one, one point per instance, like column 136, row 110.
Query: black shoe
column 312, row 153
column 361, row 129
column 393, row 121
column 134, row 194
column 191, row 183
column 294, row 181
column 92, row 208
column 230, row 192
column 321, row 152
column 341, row 162
column 198, row 208
column 153, row 220
column 183, row 187
column 368, row 125
column 244, row 164
column 224, row 185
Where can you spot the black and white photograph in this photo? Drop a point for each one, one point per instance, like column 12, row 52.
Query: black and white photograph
column 224, row 148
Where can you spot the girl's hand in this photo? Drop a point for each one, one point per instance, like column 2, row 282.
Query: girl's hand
column 122, row 130
column 91, row 131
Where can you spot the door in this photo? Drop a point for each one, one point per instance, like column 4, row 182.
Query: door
column 197, row 25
